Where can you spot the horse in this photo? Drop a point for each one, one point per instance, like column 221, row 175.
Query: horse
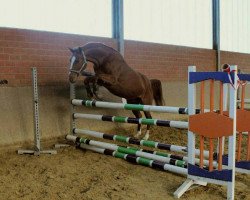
column 112, row 72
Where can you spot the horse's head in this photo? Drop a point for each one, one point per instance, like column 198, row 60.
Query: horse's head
column 78, row 63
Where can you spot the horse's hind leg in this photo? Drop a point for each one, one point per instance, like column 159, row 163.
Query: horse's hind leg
column 148, row 116
column 147, row 100
column 137, row 115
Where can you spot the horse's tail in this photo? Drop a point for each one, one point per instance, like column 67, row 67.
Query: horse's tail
column 157, row 92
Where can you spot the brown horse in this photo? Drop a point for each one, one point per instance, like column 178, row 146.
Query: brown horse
column 112, row 72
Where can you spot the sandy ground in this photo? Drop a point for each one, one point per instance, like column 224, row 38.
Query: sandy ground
column 79, row 174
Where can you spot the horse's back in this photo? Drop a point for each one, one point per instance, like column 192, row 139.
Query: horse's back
column 130, row 83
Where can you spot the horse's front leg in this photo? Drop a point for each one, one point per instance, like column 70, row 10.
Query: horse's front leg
column 87, row 81
column 96, row 89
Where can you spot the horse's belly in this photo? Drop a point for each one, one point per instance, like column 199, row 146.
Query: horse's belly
column 124, row 92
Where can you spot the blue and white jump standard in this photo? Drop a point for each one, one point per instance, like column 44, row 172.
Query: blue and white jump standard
column 209, row 125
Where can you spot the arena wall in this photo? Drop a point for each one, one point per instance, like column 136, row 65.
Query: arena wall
column 22, row 49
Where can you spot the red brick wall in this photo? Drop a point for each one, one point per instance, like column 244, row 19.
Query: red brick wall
column 167, row 62
column 240, row 59
column 22, row 49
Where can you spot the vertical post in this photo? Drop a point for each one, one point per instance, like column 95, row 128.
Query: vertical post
column 191, row 138
column 36, row 110
column 232, row 139
column 117, row 24
column 191, row 111
column 37, row 143
column 118, row 27
column 221, row 139
column 72, row 107
column 211, row 144
column 202, row 108
column 216, row 31
column 225, row 107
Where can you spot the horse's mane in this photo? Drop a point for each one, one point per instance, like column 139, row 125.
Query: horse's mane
column 91, row 45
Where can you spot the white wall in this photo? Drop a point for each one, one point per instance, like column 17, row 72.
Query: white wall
column 179, row 22
column 87, row 17
column 235, row 25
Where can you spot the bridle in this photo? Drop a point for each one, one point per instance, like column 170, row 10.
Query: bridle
column 78, row 72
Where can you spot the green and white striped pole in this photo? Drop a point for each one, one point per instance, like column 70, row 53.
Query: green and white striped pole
column 146, row 143
column 131, row 120
column 127, row 150
column 120, row 152
column 139, row 107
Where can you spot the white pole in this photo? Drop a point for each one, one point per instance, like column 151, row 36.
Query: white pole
column 191, row 111
column 232, row 139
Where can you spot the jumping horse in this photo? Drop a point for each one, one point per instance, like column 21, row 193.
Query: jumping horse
column 112, row 72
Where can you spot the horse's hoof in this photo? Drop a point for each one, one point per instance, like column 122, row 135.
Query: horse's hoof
column 146, row 136
column 137, row 135
column 99, row 97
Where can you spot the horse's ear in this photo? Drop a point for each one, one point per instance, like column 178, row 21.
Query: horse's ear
column 72, row 51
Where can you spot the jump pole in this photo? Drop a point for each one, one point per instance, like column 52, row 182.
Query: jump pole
column 146, row 143
column 131, row 120
column 37, row 144
column 139, row 107
column 127, row 150
column 129, row 157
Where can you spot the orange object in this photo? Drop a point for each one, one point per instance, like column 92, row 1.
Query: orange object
column 243, row 119
column 202, row 102
column 211, row 125
column 220, row 154
column 211, row 95
column 211, row 152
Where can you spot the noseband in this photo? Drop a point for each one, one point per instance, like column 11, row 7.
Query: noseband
column 78, row 72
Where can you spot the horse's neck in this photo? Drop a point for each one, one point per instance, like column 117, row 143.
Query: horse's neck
column 100, row 57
